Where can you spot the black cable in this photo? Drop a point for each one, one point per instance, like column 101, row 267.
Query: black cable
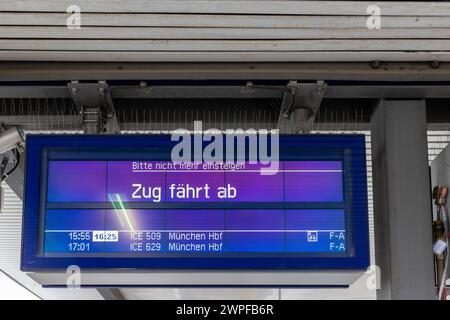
column 17, row 154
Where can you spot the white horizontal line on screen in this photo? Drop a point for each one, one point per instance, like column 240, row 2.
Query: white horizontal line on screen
column 273, row 230
column 237, row 171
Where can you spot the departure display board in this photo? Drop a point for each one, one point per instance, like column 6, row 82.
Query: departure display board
column 143, row 219
column 120, row 201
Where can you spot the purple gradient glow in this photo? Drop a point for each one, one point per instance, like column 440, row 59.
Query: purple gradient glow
column 75, row 219
column 254, row 220
column 253, row 186
column 297, row 181
column 315, row 219
column 134, row 219
column 195, row 220
column 268, row 236
column 76, row 181
column 196, row 179
column 255, row 242
column 121, row 179
column 303, row 186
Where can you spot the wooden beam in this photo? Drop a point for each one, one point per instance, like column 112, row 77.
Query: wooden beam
column 211, row 46
column 63, row 71
column 219, row 20
column 163, row 33
column 232, row 7
column 226, row 56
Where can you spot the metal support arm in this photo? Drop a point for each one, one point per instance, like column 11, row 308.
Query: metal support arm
column 300, row 104
column 95, row 104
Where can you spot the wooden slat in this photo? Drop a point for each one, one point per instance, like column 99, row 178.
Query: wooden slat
column 228, row 45
column 223, row 30
column 17, row 32
column 107, row 56
column 214, row 21
column 427, row 8
column 118, row 70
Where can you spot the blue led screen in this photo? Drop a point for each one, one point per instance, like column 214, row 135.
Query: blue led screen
column 98, row 202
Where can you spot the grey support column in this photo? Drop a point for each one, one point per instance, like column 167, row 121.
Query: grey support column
column 402, row 202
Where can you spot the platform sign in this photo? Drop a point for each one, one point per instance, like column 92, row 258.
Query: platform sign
column 121, row 202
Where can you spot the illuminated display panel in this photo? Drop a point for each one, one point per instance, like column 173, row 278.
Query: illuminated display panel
column 114, row 206
column 142, row 219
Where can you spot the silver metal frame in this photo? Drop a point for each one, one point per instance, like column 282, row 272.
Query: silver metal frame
column 267, row 278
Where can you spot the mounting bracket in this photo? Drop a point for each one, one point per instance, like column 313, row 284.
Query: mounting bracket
column 95, row 105
column 301, row 102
